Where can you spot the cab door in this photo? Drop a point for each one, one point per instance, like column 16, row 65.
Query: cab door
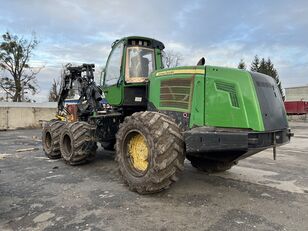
column 113, row 76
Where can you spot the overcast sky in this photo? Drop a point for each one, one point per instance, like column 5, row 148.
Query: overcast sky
column 222, row 31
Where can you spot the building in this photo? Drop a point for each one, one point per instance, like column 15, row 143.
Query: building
column 297, row 93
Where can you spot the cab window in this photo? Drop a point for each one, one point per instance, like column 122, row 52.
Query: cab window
column 113, row 68
column 139, row 64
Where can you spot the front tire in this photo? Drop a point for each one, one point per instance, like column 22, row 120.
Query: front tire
column 76, row 143
column 51, row 139
column 149, row 152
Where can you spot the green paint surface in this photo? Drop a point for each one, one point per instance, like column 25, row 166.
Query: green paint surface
column 198, row 103
column 219, row 110
column 114, row 94
column 222, row 97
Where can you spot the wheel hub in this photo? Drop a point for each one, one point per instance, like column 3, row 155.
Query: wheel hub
column 138, row 152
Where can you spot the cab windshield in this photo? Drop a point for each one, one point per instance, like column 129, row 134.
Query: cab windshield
column 139, row 64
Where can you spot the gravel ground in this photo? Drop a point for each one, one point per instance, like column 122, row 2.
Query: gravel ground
column 258, row 194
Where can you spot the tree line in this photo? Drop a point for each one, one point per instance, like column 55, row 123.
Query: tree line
column 264, row 66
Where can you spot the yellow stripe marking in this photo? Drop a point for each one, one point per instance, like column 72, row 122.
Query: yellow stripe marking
column 182, row 71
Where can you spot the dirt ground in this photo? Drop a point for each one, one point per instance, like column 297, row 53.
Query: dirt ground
column 259, row 194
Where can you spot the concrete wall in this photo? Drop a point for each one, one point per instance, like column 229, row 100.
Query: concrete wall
column 297, row 93
column 25, row 115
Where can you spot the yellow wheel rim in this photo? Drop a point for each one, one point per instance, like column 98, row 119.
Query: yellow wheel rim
column 139, row 152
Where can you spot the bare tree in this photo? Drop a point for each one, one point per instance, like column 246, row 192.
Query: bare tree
column 54, row 92
column 171, row 59
column 7, row 86
column 15, row 54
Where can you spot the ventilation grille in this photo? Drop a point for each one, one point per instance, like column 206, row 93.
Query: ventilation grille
column 176, row 93
column 230, row 88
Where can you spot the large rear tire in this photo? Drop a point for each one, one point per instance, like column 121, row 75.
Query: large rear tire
column 149, row 152
column 210, row 166
column 51, row 139
column 76, row 143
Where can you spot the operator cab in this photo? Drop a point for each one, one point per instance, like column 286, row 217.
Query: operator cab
column 131, row 61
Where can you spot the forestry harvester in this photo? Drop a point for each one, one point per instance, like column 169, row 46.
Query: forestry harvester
column 154, row 117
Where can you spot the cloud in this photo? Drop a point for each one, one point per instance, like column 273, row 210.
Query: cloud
column 223, row 31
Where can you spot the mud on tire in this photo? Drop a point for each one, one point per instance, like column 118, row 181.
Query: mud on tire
column 165, row 147
column 210, row 166
column 76, row 143
column 51, row 139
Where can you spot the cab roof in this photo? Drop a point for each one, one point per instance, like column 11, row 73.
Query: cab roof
column 153, row 42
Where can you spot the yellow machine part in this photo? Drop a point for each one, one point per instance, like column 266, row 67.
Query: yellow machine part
column 139, row 152
column 62, row 118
